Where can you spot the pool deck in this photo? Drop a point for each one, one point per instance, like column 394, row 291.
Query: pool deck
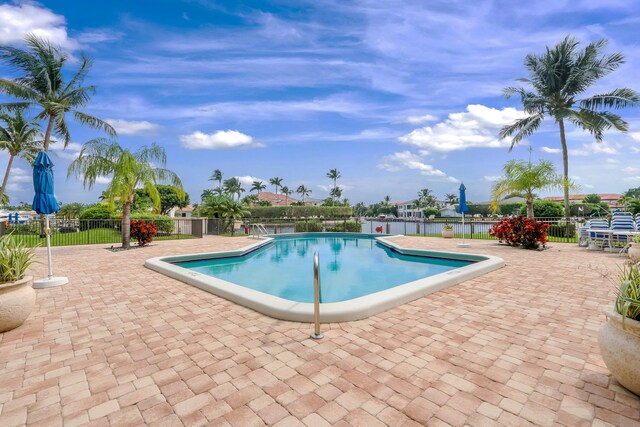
column 123, row 345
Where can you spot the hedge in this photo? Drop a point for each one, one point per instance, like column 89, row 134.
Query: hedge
column 164, row 224
column 97, row 216
column 560, row 230
column 348, row 226
column 313, row 226
column 300, row 211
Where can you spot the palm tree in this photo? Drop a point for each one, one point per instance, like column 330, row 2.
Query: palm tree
column 336, row 193
column 523, row 179
column 557, row 79
column 258, row 186
column 217, row 176
column 226, row 208
column 129, row 170
column 276, row 182
column 285, row 190
column 43, row 84
column 425, row 198
column 233, row 187
column 451, row 198
column 20, row 137
column 334, row 175
column 387, row 200
column 303, row 191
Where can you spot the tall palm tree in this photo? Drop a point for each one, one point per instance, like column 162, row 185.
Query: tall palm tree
column 387, row 200
column 336, row 193
column 20, row 137
column 557, row 80
column 285, row 190
column 303, row 191
column 451, row 198
column 258, row 186
column 334, row 175
column 43, row 84
column 224, row 207
column 217, row 176
column 129, row 170
column 276, row 182
column 233, row 187
column 524, row 179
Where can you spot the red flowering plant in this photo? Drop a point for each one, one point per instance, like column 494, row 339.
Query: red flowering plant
column 519, row 230
column 143, row 231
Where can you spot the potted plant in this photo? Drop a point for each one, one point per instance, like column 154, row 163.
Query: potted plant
column 447, row 231
column 17, row 297
column 634, row 249
column 619, row 336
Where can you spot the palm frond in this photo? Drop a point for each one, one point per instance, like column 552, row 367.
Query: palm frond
column 616, row 99
column 522, row 128
column 94, row 122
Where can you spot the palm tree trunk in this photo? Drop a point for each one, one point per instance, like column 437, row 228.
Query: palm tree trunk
column 6, row 177
column 565, row 168
column 126, row 225
column 47, row 135
column 530, row 208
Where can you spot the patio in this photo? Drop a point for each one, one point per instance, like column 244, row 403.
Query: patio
column 123, row 345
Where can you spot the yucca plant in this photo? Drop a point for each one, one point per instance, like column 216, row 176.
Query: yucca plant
column 15, row 259
column 628, row 296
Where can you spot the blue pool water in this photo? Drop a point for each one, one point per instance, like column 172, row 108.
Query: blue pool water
column 350, row 267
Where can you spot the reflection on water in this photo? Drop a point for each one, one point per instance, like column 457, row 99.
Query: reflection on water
column 349, row 267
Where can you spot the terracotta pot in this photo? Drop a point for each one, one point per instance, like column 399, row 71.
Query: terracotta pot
column 620, row 347
column 447, row 233
column 17, row 300
column 634, row 252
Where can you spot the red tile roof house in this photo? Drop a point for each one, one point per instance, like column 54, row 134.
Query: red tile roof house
column 610, row 198
column 276, row 199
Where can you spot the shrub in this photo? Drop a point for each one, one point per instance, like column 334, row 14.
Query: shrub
column 347, row 226
column 143, row 231
column 545, row 209
column 511, row 208
column 164, row 224
column 560, row 230
column 300, row 211
column 97, row 216
column 313, row 226
column 431, row 211
column 478, row 209
column 628, row 295
column 519, row 230
column 15, row 259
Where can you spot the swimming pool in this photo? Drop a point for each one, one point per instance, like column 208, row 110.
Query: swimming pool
column 360, row 274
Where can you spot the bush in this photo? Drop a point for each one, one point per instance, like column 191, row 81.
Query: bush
column 560, row 230
column 545, row 209
column 587, row 209
column 314, row 226
column 300, row 211
column 143, row 231
column 97, row 216
column 519, row 230
column 511, row 208
column 347, row 226
column 164, row 224
column 477, row 209
column 431, row 211
column 15, row 259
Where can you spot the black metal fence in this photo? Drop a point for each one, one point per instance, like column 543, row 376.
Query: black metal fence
column 473, row 228
column 65, row 232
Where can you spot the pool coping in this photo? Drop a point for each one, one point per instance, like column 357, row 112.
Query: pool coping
column 344, row 311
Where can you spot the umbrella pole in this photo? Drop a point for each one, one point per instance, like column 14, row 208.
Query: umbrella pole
column 48, row 233
column 463, row 244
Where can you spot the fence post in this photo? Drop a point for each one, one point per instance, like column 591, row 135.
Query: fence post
column 472, row 228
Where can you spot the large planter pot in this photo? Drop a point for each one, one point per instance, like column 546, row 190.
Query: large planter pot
column 620, row 347
column 17, row 300
column 447, row 234
column 634, row 252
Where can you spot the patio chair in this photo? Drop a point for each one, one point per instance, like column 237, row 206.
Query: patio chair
column 584, row 231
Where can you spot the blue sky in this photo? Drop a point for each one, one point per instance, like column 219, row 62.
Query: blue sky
column 398, row 95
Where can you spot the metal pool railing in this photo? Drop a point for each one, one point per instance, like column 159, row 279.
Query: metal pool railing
column 316, row 335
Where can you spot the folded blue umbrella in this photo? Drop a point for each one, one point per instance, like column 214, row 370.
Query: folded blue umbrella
column 462, row 205
column 44, row 202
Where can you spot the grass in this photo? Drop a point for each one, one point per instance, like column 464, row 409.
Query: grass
column 86, row 237
column 488, row 237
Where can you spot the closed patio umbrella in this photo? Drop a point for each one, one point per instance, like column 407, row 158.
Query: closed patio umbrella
column 44, row 203
column 463, row 208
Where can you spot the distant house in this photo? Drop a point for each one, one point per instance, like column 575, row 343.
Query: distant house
column 408, row 210
column 449, row 211
column 611, row 199
column 185, row 212
column 276, row 199
column 313, row 202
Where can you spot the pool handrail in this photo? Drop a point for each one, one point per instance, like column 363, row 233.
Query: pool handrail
column 316, row 335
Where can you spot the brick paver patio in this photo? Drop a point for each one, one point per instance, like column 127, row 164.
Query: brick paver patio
column 122, row 345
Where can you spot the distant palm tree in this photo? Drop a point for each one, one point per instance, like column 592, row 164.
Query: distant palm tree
column 334, row 175
column 387, row 200
column 130, row 170
column 43, row 84
column 217, row 176
column 451, row 198
column 336, row 193
column 557, row 79
column 285, row 190
column 233, row 187
column 258, row 186
column 20, row 137
column 426, row 198
column 303, row 191
column 523, row 179
column 276, row 182
column 224, row 207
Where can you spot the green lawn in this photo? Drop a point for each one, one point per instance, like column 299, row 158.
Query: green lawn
column 87, row 237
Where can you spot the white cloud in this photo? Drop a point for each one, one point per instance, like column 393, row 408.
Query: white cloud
column 631, row 170
column 492, row 178
column 18, row 20
column 416, row 120
column 71, row 152
column 247, row 180
column 477, row 127
column 327, row 188
column 586, row 150
column 406, row 160
column 103, row 180
column 20, row 179
column 220, row 140
column 130, row 127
